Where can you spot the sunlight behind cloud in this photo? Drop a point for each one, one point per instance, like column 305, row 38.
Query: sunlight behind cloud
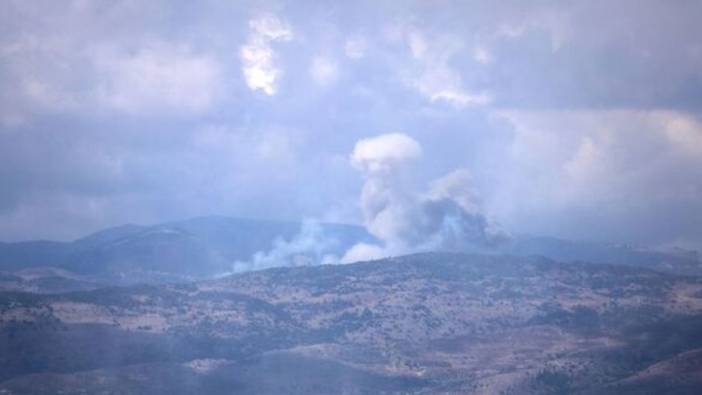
column 258, row 57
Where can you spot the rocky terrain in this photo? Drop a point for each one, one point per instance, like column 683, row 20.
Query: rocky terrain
column 426, row 323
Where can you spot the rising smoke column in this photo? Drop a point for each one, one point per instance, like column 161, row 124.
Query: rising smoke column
column 444, row 218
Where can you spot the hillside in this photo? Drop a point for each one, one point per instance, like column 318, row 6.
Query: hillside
column 424, row 323
column 208, row 247
column 184, row 250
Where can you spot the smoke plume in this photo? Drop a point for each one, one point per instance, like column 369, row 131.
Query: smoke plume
column 446, row 217
column 310, row 246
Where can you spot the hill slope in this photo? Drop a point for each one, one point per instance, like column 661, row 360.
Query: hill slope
column 424, row 323
column 178, row 251
column 207, row 247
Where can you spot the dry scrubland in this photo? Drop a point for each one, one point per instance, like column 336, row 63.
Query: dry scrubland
column 427, row 323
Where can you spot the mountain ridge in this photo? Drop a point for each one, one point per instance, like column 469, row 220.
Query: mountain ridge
column 207, row 247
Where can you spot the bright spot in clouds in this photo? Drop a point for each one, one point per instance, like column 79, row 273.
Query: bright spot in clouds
column 258, row 56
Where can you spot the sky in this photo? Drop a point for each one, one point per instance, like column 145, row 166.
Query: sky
column 575, row 119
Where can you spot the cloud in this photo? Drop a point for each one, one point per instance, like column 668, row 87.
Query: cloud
column 482, row 56
column 158, row 78
column 591, row 139
column 258, row 56
column 324, row 71
column 275, row 148
column 434, row 77
column 47, row 96
column 355, row 47
column 618, row 172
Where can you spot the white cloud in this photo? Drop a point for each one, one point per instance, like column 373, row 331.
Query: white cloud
column 48, row 96
column 157, row 78
column 276, row 148
column 482, row 55
column 455, row 97
column 623, row 160
column 682, row 130
column 557, row 23
column 324, row 71
column 258, row 57
column 271, row 28
column 418, row 45
column 355, row 47
column 250, row 153
column 434, row 77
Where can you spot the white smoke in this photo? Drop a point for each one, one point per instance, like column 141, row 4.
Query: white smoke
column 310, row 246
column 447, row 217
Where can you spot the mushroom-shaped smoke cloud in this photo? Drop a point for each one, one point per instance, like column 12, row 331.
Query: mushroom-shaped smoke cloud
column 447, row 217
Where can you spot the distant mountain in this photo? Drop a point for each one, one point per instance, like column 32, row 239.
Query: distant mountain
column 426, row 323
column 207, row 247
column 675, row 261
column 175, row 251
